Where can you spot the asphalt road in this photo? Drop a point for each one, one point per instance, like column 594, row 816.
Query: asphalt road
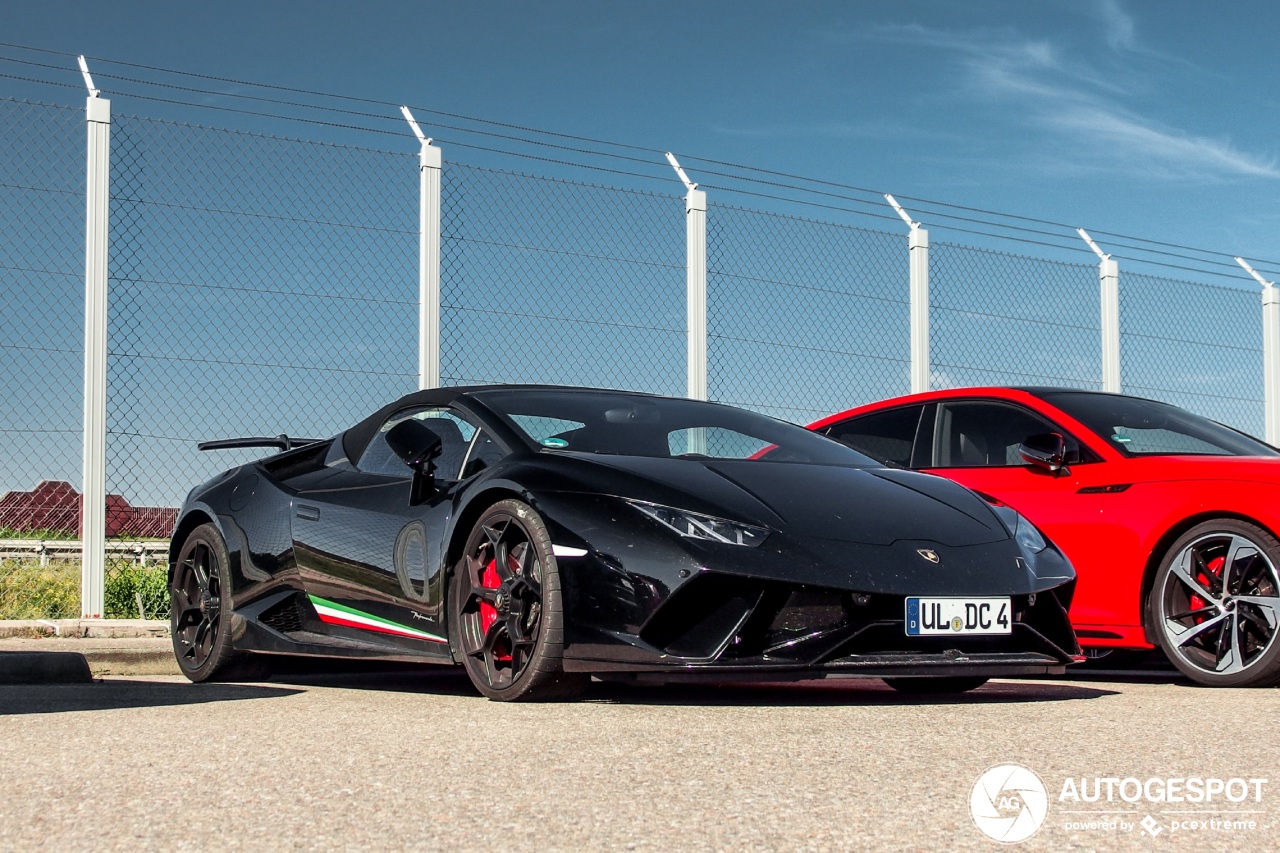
column 414, row 760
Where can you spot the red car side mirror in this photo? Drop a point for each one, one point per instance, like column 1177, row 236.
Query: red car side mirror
column 1046, row 451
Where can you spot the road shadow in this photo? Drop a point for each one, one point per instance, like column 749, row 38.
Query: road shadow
column 452, row 681
column 432, row 679
column 1128, row 676
column 864, row 692
column 125, row 693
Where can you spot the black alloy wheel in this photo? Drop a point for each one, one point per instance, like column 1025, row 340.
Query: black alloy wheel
column 200, row 614
column 1216, row 604
column 505, row 608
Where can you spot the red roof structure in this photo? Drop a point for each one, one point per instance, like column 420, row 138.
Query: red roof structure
column 54, row 506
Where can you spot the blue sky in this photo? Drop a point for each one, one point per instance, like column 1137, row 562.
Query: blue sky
column 1156, row 120
column 1152, row 119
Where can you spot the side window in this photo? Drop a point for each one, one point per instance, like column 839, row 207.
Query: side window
column 455, row 437
column 884, row 436
column 977, row 435
column 484, row 452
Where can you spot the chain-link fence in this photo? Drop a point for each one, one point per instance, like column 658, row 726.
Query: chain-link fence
column 42, row 207
column 999, row 319
column 261, row 284
column 804, row 318
column 1194, row 345
column 553, row 281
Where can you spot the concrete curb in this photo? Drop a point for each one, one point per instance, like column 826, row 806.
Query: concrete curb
column 83, row 628
column 127, row 656
column 49, row 651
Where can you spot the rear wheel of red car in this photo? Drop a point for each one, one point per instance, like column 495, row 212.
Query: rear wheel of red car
column 505, row 609
column 1216, row 604
column 949, row 684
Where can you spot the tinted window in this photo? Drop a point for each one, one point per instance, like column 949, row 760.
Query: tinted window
column 974, row 435
column 884, row 436
column 544, row 430
column 714, row 442
column 589, row 421
column 1139, row 427
column 483, row 453
column 455, row 435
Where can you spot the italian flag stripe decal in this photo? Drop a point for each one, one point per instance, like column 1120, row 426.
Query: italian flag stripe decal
column 339, row 614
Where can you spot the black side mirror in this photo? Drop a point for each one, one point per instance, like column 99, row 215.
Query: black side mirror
column 1046, row 451
column 419, row 448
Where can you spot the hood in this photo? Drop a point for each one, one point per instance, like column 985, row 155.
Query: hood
column 872, row 506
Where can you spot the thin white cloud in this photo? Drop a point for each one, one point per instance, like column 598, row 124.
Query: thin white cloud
column 1121, row 34
column 1119, row 25
column 1083, row 104
column 994, row 48
column 1170, row 149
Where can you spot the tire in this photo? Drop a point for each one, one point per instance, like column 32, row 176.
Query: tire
column 199, row 622
column 1215, row 605
column 505, row 612
column 948, row 684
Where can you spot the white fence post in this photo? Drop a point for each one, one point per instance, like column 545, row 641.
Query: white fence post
column 1109, row 298
column 93, row 506
column 430, row 164
column 918, row 252
column 695, row 206
column 1270, row 353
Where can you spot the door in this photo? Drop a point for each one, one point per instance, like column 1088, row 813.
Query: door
column 371, row 561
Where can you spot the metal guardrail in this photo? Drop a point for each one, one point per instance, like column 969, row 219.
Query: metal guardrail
column 45, row 549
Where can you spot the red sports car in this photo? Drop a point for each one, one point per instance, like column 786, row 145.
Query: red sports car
column 1170, row 519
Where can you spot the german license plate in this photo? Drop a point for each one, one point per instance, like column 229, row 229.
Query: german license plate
column 930, row 616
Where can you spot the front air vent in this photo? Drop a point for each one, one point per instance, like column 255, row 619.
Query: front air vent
column 285, row 617
column 703, row 616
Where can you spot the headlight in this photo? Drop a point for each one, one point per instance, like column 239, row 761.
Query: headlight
column 1022, row 530
column 695, row 525
column 1028, row 536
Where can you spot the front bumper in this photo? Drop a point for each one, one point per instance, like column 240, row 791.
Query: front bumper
column 722, row 626
column 945, row 664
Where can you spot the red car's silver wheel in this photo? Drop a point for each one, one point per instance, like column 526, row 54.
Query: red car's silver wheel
column 1217, row 605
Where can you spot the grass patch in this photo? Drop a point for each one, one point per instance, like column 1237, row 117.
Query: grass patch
column 30, row 591
column 40, row 533
column 140, row 592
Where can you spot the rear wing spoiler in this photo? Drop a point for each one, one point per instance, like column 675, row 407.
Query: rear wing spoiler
column 283, row 442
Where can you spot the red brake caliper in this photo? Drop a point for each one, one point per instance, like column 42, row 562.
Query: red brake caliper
column 488, row 613
column 1215, row 566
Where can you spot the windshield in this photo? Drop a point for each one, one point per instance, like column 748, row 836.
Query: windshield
column 1138, row 427
column 609, row 422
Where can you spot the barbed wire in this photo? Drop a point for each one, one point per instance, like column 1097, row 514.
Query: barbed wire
column 840, row 197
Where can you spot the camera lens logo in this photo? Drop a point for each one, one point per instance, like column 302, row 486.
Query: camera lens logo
column 1009, row 803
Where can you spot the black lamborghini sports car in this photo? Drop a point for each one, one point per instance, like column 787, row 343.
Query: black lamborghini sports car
column 539, row 536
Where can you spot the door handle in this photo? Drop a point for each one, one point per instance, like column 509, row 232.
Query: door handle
column 308, row 513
